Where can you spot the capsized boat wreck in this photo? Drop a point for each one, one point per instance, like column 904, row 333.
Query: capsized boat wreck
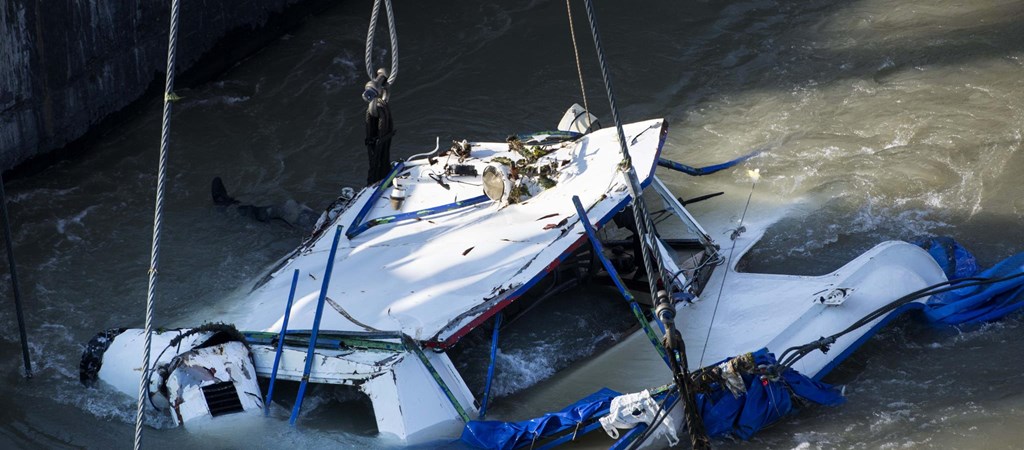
column 451, row 243
column 442, row 245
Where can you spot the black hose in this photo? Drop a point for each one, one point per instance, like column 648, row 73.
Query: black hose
column 793, row 354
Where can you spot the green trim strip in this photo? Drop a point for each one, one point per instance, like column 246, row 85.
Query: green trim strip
column 415, row 348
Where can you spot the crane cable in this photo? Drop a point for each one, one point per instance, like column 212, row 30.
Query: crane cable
column 393, row 35
column 576, row 52
column 652, row 259
column 154, row 256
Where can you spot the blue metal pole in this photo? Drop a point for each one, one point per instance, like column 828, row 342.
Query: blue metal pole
column 363, row 226
column 316, row 327
column 280, row 343
column 374, row 196
column 708, row 170
column 490, row 369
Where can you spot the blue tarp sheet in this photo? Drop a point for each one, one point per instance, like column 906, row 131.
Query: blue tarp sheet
column 508, row 435
column 765, row 402
column 976, row 303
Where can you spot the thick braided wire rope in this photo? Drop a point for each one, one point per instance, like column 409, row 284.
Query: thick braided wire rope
column 652, row 260
column 393, row 36
column 576, row 51
column 694, row 426
column 154, row 255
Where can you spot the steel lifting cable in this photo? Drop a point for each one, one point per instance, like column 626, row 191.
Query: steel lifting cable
column 640, row 216
column 576, row 52
column 154, row 255
column 393, row 35
column 695, row 428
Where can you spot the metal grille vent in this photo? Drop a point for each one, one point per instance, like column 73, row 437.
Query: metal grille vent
column 222, row 398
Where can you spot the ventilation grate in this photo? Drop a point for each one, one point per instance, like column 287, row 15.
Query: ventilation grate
column 222, row 398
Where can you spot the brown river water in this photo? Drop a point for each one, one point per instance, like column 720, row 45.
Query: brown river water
column 881, row 119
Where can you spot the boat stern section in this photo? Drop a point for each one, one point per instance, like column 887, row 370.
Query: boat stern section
column 783, row 311
column 409, row 402
column 417, row 396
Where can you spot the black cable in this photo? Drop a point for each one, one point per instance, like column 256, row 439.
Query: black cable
column 148, row 373
column 793, row 354
column 462, row 182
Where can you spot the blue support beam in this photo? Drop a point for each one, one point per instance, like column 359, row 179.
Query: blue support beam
column 707, row 170
column 361, row 227
column 280, row 343
column 490, row 369
column 377, row 193
column 316, row 327
column 614, row 274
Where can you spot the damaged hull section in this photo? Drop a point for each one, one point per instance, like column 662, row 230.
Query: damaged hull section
column 195, row 376
column 407, row 401
column 411, row 279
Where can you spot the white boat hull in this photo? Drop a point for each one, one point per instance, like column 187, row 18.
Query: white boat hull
column 781, row 311
column 192, row 381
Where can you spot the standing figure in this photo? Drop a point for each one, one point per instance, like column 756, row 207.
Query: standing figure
column 379, row 127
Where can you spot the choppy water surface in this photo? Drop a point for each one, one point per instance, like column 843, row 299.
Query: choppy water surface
column 882, row 120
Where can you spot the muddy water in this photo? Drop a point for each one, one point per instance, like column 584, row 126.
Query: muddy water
column 879, row 120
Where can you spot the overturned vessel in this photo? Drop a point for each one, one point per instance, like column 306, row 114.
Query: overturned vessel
column 482, row 229
column 453, row 242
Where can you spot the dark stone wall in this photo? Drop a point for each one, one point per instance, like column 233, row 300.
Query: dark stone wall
column 66, row 65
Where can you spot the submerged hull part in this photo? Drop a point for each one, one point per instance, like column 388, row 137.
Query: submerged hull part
column 197, row 374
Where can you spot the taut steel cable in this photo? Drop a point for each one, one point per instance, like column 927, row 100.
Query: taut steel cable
column 154, row 255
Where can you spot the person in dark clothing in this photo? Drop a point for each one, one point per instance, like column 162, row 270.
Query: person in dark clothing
column 379, row 128
column 293, row 213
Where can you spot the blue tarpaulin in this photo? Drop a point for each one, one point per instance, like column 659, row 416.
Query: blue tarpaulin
column 973, row 304
column 766, row 400
column 508, row 435
column 955, row 260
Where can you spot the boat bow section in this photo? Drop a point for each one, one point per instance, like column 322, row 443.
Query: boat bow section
column 197, row 374
column 434, row 273
column 424, row 258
